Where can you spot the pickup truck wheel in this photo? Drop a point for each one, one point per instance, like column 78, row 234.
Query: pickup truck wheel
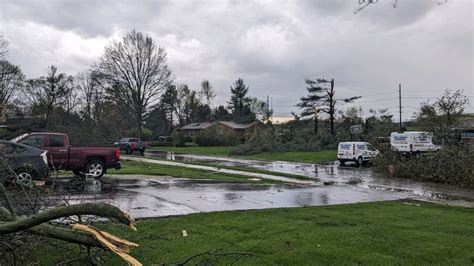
column 95, row 169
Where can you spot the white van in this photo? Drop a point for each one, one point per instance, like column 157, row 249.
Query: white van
column 412, row 142
column 356, row 151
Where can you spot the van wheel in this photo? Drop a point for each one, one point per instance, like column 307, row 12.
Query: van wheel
column 342, row 163
column 360, row 161
column 95, row 169
column 129, row 150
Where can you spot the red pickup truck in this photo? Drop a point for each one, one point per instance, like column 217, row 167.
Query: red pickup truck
column 93, row 161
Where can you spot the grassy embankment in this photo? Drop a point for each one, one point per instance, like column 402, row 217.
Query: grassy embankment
column 369, row 233
column 304, row 157
column 141, row 168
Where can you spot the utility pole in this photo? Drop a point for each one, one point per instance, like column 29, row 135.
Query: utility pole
column 400, row 103
column 271, row 107
column 268, row 103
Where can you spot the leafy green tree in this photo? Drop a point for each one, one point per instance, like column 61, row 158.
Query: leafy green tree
column 239, row 103
column 442, row 116
column 220, row 113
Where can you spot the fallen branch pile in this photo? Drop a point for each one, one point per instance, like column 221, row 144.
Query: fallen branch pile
column 44, row 223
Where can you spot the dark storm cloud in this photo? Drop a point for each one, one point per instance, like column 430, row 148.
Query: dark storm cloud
column 273, row 45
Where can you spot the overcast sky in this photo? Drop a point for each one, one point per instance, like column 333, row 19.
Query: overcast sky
column 272, row 45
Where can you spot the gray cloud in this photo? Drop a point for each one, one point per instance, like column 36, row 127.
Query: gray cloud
column 273, row 45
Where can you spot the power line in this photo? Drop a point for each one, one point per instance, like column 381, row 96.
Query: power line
column 376, row 100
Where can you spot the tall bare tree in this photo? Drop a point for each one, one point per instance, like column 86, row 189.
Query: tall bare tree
column 136, row 72
column 207, row 94
column 92, row 95
column 51, row 91
column 321, row 97
column 11, row 81
column 3, row 46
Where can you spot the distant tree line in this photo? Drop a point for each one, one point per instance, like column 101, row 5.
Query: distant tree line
column 130, row 90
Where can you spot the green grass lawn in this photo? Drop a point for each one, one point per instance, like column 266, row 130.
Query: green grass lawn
column 305, row 157
column 141, row 168
column 383, row 233
column 222, row 151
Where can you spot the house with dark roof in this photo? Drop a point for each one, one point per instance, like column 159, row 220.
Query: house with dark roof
column 466, row 129
column 192, row 129
column 240, row 130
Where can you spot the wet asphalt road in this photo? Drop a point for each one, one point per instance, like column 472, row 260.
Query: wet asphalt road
column 145, row 196
column 151, row 196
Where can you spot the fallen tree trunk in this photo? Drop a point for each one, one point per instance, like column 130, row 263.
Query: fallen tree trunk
column 98, row 209
column 65, row 234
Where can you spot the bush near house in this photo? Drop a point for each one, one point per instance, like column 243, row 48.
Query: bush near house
column 179, row 140
column 210, row 137
column 267, row 140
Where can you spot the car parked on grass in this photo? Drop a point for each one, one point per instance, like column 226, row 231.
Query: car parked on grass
column 129, row 145
column 27, row 162
column 91, row 161
column 355, row 151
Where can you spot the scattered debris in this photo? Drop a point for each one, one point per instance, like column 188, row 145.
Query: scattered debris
column 119, row 246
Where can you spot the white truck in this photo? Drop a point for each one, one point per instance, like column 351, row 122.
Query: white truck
column 356, row 151
column 413, row 142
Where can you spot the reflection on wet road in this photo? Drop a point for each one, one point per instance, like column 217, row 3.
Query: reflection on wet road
column 163, row 196
column 334, row 175
column 148, row 196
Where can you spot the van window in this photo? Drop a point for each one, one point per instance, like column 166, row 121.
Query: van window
column 360, row 146
column 399, row 139
column 56, row 141
column 345, row 147
column 36, row 141
column 370, row 147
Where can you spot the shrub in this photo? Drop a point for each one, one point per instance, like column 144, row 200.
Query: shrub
column 211, row 137
column 179, row 140
column 146, row 133
column 452, row 165
column 268, row 141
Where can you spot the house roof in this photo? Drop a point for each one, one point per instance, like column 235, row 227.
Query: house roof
column 467, row 123
column 202, row 125
column 235, row 125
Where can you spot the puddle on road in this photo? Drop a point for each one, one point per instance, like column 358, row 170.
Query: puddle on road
column 334, row 175
column 168, row 196
column 148, row 196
